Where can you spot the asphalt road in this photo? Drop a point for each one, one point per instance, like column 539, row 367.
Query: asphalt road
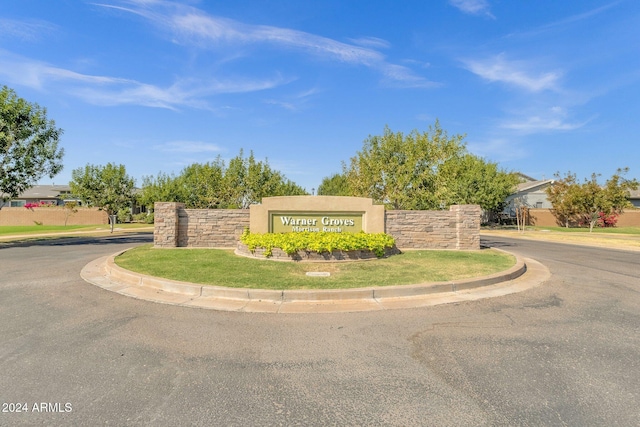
column 564, row 353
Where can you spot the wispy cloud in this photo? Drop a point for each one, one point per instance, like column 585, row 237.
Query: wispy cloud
column 191, row 26
column 371, row 42
column 568, row 21
column 188, row 147
column 473, row 7
column 515, row 73
column 499, row 149
column 399, row 76
column 295, row 102
column 109, row 91
column 537, row 124
column 25, row 30
column 549, row 120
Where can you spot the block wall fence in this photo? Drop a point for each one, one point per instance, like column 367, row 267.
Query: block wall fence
column 51, row 216
column 545, row 218
column 457, row 228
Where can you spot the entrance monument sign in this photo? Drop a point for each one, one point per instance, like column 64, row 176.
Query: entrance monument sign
column 332, row 214
column 455, row 228
column 283, row 222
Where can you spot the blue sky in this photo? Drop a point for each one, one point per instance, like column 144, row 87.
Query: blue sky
column 537, row 86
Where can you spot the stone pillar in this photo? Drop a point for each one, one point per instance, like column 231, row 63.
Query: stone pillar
column 166, row 230
column 468, row 219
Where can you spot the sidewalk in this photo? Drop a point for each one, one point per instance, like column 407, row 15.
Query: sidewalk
column 103, row 272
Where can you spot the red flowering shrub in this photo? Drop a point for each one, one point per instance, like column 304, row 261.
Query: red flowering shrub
column 607, row 220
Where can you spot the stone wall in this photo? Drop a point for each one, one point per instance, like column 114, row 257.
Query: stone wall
column 176, row 226
column 51, row 216
column 166, row 225
column 457, row 228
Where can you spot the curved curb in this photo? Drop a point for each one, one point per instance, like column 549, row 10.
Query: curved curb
column 104, row 273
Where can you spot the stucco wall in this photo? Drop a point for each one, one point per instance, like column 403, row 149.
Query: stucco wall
column 51, row 216
column 457, row 228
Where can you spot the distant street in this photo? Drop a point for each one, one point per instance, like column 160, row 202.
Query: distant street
column 564, row 353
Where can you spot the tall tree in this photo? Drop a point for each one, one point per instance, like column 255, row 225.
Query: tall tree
column 334, row 185
column 249, row 180
column 585, row 202
column 563, row 195
column 469, row 179
column 400, row 170
column 201, row 185
column 425, row 171
column 106, row 187
column 214, row 185
column 164, row 187
column 28, row 145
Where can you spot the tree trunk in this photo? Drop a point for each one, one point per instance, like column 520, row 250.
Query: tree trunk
column 112, row 221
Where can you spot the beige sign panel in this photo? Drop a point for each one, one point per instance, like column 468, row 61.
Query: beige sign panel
column 316, row 213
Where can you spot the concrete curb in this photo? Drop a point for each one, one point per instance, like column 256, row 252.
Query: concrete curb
column 104, row 273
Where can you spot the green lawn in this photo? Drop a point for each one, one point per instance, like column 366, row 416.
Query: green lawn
column 6, row 230
column 224, row 268
column 37, row 229
column 599, row 230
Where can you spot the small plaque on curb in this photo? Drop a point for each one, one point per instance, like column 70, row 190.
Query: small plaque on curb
column 318, row 273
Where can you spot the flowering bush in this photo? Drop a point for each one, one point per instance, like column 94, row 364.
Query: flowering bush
column 317, row 242
column 607, row 220
column 42, row 204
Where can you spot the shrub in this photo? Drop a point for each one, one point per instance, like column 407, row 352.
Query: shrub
column 124, row 215
column 317, row 242
column 142, row 217
column 607, row 220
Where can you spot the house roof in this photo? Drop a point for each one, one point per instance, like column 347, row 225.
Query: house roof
column 44, row 192
column 525, row 178
column 634, row 194
column 526, row 186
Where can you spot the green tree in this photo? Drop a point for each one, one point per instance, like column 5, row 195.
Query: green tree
column 584, row 202
column 69, row 209
column 214, row 185
column 164, row 187
column 425, row 171
column 402, row 171
column 334, row 185
column 290, row 188
column 469, row 179
column 249, row 180
column 28, row 145
column 563, row 195
column 106, row 187
column 201, row 185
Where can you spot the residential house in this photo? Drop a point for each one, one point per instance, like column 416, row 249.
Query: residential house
column 52, row 195
column 530, row 193
column 635, row 198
